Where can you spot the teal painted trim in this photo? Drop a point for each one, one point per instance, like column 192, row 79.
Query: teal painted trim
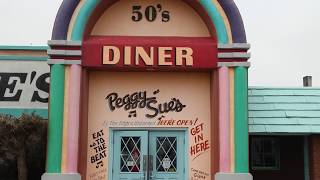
column 217, row 19
column 285, row 121
column 82, row 19
column 241, row 120
column 23, row 58
column 55, row 127
column 306, row 158
column 186, row 158
column 111, row 147
column 282, row 88
column 17, row 112
column 34, row 48
column 89, row 6
column 288, row 129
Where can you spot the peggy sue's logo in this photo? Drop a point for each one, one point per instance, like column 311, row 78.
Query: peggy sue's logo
column 151, row 56
column 140, row 100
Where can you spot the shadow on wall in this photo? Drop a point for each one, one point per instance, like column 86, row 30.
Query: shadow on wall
column 22, row 147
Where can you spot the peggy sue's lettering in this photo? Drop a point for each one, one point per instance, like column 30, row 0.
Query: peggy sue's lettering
column 140, row 100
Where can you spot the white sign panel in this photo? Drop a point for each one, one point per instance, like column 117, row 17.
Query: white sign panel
column 24, row 84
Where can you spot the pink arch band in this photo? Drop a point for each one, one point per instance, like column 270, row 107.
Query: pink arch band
column 73, row 125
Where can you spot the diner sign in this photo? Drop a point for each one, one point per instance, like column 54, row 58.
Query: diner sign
column 150, row 53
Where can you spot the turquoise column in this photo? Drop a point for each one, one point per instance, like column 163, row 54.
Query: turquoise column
column 55, row 127
column 241, row 120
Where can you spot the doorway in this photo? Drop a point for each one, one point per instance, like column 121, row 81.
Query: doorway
column 149, row 155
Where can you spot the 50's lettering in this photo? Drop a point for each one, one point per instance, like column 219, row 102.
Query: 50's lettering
column 136, row 14
column 150, row 13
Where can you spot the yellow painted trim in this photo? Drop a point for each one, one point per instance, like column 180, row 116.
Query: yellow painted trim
column 225, row 19
column 65, row 121
column 73, row 18
column 231, row 85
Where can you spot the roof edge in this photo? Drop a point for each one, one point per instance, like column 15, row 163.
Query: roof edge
column 18, row 48
column 282, row 88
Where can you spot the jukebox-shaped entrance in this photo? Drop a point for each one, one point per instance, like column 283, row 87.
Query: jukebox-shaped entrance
column 150, row 155
column 132, row 80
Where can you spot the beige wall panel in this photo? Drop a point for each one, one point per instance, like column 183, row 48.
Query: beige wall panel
column 192, row 89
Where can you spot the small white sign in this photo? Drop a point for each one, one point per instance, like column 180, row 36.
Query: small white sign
column 166, row 163
column 130, row 163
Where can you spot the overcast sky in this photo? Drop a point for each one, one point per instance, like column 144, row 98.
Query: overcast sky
column 284, row 35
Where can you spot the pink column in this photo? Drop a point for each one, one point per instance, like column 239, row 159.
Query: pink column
column 231, row 117
column 224, row 124
column 74, row 118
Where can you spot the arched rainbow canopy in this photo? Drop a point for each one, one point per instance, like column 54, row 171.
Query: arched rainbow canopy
column 73, row 22
column 87, row 8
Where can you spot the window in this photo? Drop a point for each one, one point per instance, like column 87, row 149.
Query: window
column 265, row 153
column 130, row 154
column 166, row 154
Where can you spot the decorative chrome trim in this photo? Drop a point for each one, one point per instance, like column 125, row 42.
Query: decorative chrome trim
column 234, row 46
column 234, row 55
column 63, row 61
column 64, row 43
column 64, row 52
column 234, row 64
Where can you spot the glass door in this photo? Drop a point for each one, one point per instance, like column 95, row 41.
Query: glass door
column 168, row 152
column 129, row 149
column 149, row 155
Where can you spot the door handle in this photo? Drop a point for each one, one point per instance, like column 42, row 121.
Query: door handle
column 150, row 163
column 145, row 167
column 150, row 167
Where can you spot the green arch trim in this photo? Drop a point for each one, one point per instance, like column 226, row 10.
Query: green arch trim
column 82, row 19
column 89, row 6
column 217, row 20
